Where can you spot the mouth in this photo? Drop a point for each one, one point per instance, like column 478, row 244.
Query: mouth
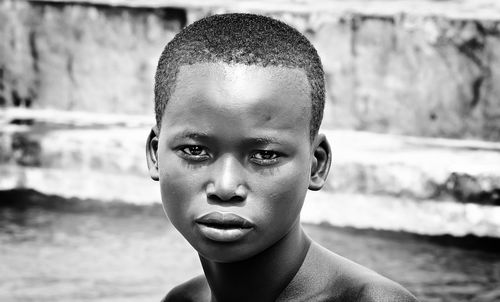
column 223, row 227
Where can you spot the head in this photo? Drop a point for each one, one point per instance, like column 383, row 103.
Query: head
column 241, row 39
column 238, row 99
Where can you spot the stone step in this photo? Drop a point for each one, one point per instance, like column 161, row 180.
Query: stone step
column 428, row 217
column 363, row 163
column 415, row 167
column 82, row 184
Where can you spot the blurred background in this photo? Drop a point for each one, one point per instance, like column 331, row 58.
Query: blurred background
column 413, row 116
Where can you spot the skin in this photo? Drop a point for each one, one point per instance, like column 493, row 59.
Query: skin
column 235, row 139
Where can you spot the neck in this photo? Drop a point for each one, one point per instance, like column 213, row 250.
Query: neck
column 262, row 277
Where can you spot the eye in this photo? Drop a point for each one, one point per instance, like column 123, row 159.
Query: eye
column 193, row 152
column 265, row 157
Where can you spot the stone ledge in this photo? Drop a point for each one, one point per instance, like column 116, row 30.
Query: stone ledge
column 466, row 9
column 70, row 119
column 429, row 217
column 82, row 184
column 414, row 167
column 388, row 213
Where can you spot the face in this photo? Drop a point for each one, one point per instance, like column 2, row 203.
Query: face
column 234, row 156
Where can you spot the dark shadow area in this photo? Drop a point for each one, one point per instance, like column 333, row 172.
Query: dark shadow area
column 468, row 242
column 27, row 199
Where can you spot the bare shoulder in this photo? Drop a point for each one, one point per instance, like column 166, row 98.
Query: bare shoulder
column 384, row 290
column 326, row 276
column 362, row 284
column 195, row 289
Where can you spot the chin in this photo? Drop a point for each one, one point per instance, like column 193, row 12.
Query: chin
column 227, row 253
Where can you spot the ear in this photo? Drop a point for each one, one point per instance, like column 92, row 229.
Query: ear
column 152, row 153
column 320, row 165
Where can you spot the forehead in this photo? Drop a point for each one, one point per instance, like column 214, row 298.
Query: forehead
column 238, row 94
column 239, row 78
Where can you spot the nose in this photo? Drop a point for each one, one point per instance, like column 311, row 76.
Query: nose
column 227, row 183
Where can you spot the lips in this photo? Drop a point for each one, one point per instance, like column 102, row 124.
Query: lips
column 223, row 227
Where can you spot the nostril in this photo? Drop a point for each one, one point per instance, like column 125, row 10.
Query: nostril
column 227, row 198
column 236, row 198
column 214, row 197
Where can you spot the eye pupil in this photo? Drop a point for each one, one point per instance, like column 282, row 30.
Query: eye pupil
column 195, row 150
column 267, row 155
column 193, row 153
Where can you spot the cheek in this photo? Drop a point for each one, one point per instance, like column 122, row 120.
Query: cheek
column 283, row 196
column 178, row 191
column 176, row 179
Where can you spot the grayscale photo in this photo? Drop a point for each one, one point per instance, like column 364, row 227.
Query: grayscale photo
column 250, row 150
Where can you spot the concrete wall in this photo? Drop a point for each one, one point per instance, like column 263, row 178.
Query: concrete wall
column 423, row 76
column 82, row 57
column 416, row 75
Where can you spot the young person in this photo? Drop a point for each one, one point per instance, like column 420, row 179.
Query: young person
column 239, row 100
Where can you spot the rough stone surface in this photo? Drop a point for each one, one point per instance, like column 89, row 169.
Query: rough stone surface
column 419, row 76
column 388, row 213
column 407, row 71
column 416, row 168
column 73, row 57
column 83, row 184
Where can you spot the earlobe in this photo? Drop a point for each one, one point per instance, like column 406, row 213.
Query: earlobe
column 320, row 165
column 152, row 153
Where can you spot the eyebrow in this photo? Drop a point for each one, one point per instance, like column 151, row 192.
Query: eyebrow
column 199, row 135
column 190, row 134
column 263, row 140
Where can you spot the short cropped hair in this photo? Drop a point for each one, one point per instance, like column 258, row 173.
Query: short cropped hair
column 245, row 39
